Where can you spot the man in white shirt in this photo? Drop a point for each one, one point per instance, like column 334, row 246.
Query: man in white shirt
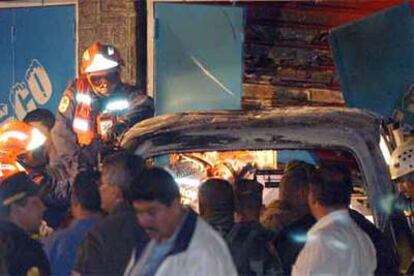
column 181, row 243
column 335, row 245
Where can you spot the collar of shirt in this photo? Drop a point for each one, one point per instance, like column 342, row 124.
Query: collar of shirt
column 156, row 252
column 341, row 215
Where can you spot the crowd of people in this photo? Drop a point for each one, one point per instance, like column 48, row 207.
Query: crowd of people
column 83, row 207
column 130, row 221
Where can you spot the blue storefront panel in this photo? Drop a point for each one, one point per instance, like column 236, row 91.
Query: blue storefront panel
column 38, row 57
column 198, row 57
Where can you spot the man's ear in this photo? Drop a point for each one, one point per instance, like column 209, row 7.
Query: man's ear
column 311, row 199
column 117, row 192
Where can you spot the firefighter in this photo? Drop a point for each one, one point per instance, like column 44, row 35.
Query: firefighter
column 96, row 109
column 402, row 168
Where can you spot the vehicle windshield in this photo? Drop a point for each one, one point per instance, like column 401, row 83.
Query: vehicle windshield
column 190, row 169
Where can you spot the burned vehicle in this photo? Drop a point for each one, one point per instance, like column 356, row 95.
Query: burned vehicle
column 258, row 144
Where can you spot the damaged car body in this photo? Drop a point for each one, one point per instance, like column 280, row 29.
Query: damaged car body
column 258, row 144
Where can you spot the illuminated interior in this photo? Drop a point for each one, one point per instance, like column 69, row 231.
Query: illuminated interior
column 190, row 169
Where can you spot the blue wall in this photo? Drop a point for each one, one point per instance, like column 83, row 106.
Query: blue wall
column 199, row 58
column 37, row 57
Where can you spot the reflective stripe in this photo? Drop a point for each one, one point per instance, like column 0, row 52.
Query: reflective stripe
column 81, row 124
column 83, row 99
column 116, row 105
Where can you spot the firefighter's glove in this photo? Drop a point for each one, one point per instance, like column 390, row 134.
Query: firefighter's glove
column 115, row 132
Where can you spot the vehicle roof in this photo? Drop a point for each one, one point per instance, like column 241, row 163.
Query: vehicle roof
column 216, row 129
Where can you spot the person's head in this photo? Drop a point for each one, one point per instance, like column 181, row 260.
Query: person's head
column 248, row 199
column 85, row 199
column 117, row 175
column 156, row 200
column 19, row 141
column 402, row 168
column 216, row 198
column 330, row 189
column 42, row 119
column 294, row 185
column 20, row 202
column 101, row 66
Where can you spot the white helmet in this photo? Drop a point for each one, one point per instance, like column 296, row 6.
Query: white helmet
column 402, row 160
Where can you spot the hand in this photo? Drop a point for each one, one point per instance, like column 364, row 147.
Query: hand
column 45, row 230
column 115, row 132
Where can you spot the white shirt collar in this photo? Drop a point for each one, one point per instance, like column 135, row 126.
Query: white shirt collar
column 339, row 215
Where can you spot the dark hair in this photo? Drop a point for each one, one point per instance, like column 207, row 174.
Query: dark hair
column 155, row 184
column 331, row 185
column 85, row 190
column 215, row 195
column 41, row 115
column 248, row 195
column 121, row 169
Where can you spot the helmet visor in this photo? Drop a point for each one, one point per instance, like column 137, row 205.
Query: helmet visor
column 98, row 80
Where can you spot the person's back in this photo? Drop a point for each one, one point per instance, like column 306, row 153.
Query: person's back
column 109, row 244
column 387, row 260
column 292, row 204
column 291, row 240
column 249, row 242
column 342, row 247
column 216, row 204
column 336, row 245
column 250, row 247
column 61, row 246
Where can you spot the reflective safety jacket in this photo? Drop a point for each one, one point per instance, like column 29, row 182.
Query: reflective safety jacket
column 77, row 134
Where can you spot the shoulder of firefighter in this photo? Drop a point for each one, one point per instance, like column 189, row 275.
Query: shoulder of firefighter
column 68, row 101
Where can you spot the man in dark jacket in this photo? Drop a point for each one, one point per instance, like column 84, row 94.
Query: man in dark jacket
column 249, row 242
column 109, row 244
column 21, row 211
